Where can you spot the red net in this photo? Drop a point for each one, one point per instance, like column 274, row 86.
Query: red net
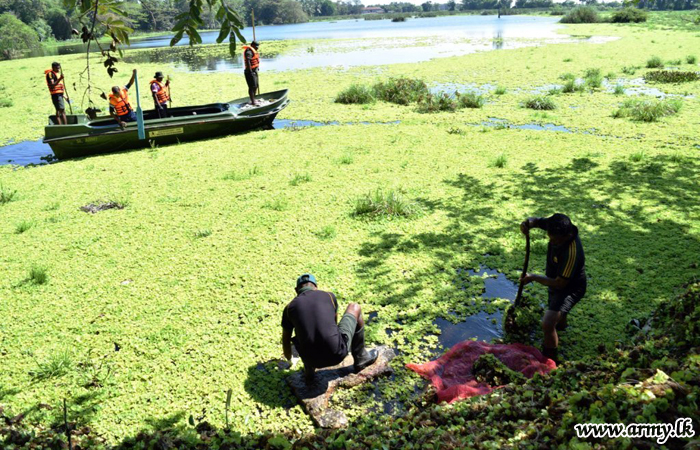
column 452, row 375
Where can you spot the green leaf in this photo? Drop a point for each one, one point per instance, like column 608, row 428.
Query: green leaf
column 195, row 38
column 225, row 30
column 240, row 36
column 176, row 38
column 232, row 47
column 221, row 13
column 179, row 26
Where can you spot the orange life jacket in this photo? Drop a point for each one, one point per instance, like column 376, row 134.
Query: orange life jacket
column 57, row 88
column 121, row 105
column 254, row 61
column 162, row 94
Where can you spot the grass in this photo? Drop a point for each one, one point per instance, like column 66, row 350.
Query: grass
column 593, row 78
column 401, row 91
column 630, row 70
column 6, row 103
column 23, row 226
column 500, row 90
column 437, row 103
column 581, row 14
column 278, row 204
column 671, row 76
column 6, row 195
column 299, row 179
column 540, row 103
column 571, row 86
column 381, row 203
column 691, row 59
column 355, row 94
column 470, row 100
column 648, row 110
column 38, row 275
column 239, row 175
column 56, row 365
column 638, row 156
column 202, row 233
column 327, row 232
column 655, row 63
column 619, row 90
column 346, row 159
column 499, row 161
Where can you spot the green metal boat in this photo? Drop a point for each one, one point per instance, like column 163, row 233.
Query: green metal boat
column 84, row 136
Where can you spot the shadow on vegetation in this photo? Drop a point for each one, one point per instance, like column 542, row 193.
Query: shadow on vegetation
column 266, row 384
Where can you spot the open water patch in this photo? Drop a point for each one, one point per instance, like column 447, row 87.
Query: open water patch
column 297, row 124
column 26, row 153
column 504, row 124
column 482, row 326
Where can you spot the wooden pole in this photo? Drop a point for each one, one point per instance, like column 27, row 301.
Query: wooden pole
column 252, row 16
column 65, row 89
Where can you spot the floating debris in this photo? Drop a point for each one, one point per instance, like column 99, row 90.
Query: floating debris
column 93, row 208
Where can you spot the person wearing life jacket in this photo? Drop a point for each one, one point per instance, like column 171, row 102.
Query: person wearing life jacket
column 54, row 80
column 251, row 57
column 161, row 95
column 119, row 106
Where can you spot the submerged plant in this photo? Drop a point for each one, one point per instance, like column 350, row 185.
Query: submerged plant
column 355, row 94
column 540, row 103
column 389, row 204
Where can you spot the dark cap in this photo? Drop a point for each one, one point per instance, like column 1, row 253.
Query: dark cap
column 158, row 75
column 560, row 225
column 55, row 64
column 255, row 44
column 305, row 278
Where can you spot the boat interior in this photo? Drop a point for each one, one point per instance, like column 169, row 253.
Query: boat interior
column 151, row 114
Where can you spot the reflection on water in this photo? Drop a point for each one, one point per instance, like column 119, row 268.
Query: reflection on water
column 481, row 326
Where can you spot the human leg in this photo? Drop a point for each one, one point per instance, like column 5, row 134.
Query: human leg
column 352, row 325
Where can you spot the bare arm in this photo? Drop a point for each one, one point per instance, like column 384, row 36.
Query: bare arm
column 131, row 81
column 556, row 283
column 287, row 343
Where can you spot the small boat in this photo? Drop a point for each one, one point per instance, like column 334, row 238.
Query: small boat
column 84, row 136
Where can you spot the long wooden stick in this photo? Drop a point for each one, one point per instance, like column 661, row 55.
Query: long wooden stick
column 509, row 323
column 65, row 88
column 252, row 15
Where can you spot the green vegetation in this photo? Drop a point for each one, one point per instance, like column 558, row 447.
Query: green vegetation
column 540, row 103
column 581, row 14
column 655, row 63
column 629, row 15
column 6, row 194
column 437, row 103
column 619, row 90
column 202, row 233
column 38, row 275
column 499, row 161
column 593, row 78
column 300, row 178
column 355, row 94
column 691, row 59
column 500, row 90
column 16, row 37
column 384, row 204
column 23, row 226
column 55, row 365
column 671, row 76
column 401, row 91
column 470, row 100
column 648, row 110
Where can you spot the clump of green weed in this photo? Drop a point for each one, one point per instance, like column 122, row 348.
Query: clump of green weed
column 567, row 59
column 436, row 103
column 54, row 366
column 401, row 91
column 355, row 94
column 242, row 175
column 572, row 86
column 637, row 156
column 23, row 226
column 346, row 159
column 540, row 103
column 327, row 232
column 619, row 90
column 567, row 76
column 655, row 63
column 554, row 91
column 470, row 100
column 279, row 204
column 500, row 90
column 629, row 70
column 38, row 275
column 5, row 103
column 202, row 233
column 648, row 110
column 581, row 14
column 499, row 161
column 691, row 59
column 671, row 76
column 593, row 78
column 629, row 15
column 455, row 130
column 299, row 179
column 388, row 204
column 6, row 195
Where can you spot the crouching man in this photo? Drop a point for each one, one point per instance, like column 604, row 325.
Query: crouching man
column 319, row 338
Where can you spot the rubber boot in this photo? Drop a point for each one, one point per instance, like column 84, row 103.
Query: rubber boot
column 360, row 355
column 551, row 353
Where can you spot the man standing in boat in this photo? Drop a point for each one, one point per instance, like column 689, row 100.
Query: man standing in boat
column 319, row 338
column 251, row 58
column 119, row 106
column 565, row 275
column 161, row 94
column 54, row 80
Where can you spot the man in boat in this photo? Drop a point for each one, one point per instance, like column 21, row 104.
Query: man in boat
column 119, row 106
column 565, row 275
column 54, row 80
column 319, row 338
column 161, row 94
column 252, row 63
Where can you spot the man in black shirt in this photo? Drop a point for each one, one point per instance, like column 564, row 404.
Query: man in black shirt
column 320, row 340
column 565, row 274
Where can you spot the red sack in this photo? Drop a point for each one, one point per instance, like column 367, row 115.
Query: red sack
column 451, row 374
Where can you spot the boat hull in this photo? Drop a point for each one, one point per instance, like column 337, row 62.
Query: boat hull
column 103, row 135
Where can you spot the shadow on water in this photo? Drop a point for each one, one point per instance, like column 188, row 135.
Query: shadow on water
column 481, row 326
column 26, row 153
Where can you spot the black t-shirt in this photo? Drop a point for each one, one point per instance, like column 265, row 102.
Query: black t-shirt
column 311, row 315
column 566, row 261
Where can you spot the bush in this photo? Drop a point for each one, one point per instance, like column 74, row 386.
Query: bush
column 470, row 100
column 581, row 14
column 540, row 103
column 619, row 89
column 436, row 103
column 401, row 91
column 16, row 38
column 38, row 275
column 655, row 63
column 6, row 195
column 500, row 90
column 691, row 59
column 648, row 110
column 390, row 204
column 355, row 94
column 629, row 15
column 671, row 76
column 5, row 103
column 629, row 70
column 398, row 19
column 499, row 161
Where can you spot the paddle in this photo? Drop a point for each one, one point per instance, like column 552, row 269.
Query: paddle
column 252, row 14
column 70, row 105
column 139, row 112
column 509, row 323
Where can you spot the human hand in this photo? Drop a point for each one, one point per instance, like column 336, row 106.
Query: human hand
column 527, row 278
column 122, row 125
column 525, row 227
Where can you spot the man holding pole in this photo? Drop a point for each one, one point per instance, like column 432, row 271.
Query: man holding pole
column 55, row 82
column 252, row 63
column 160, row 94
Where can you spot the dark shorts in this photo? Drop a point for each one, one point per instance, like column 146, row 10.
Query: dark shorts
column 347, row 326
column 130, row 117
column 162, row 110
column 58, row 103
column 564, row 301
column 251, row 78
